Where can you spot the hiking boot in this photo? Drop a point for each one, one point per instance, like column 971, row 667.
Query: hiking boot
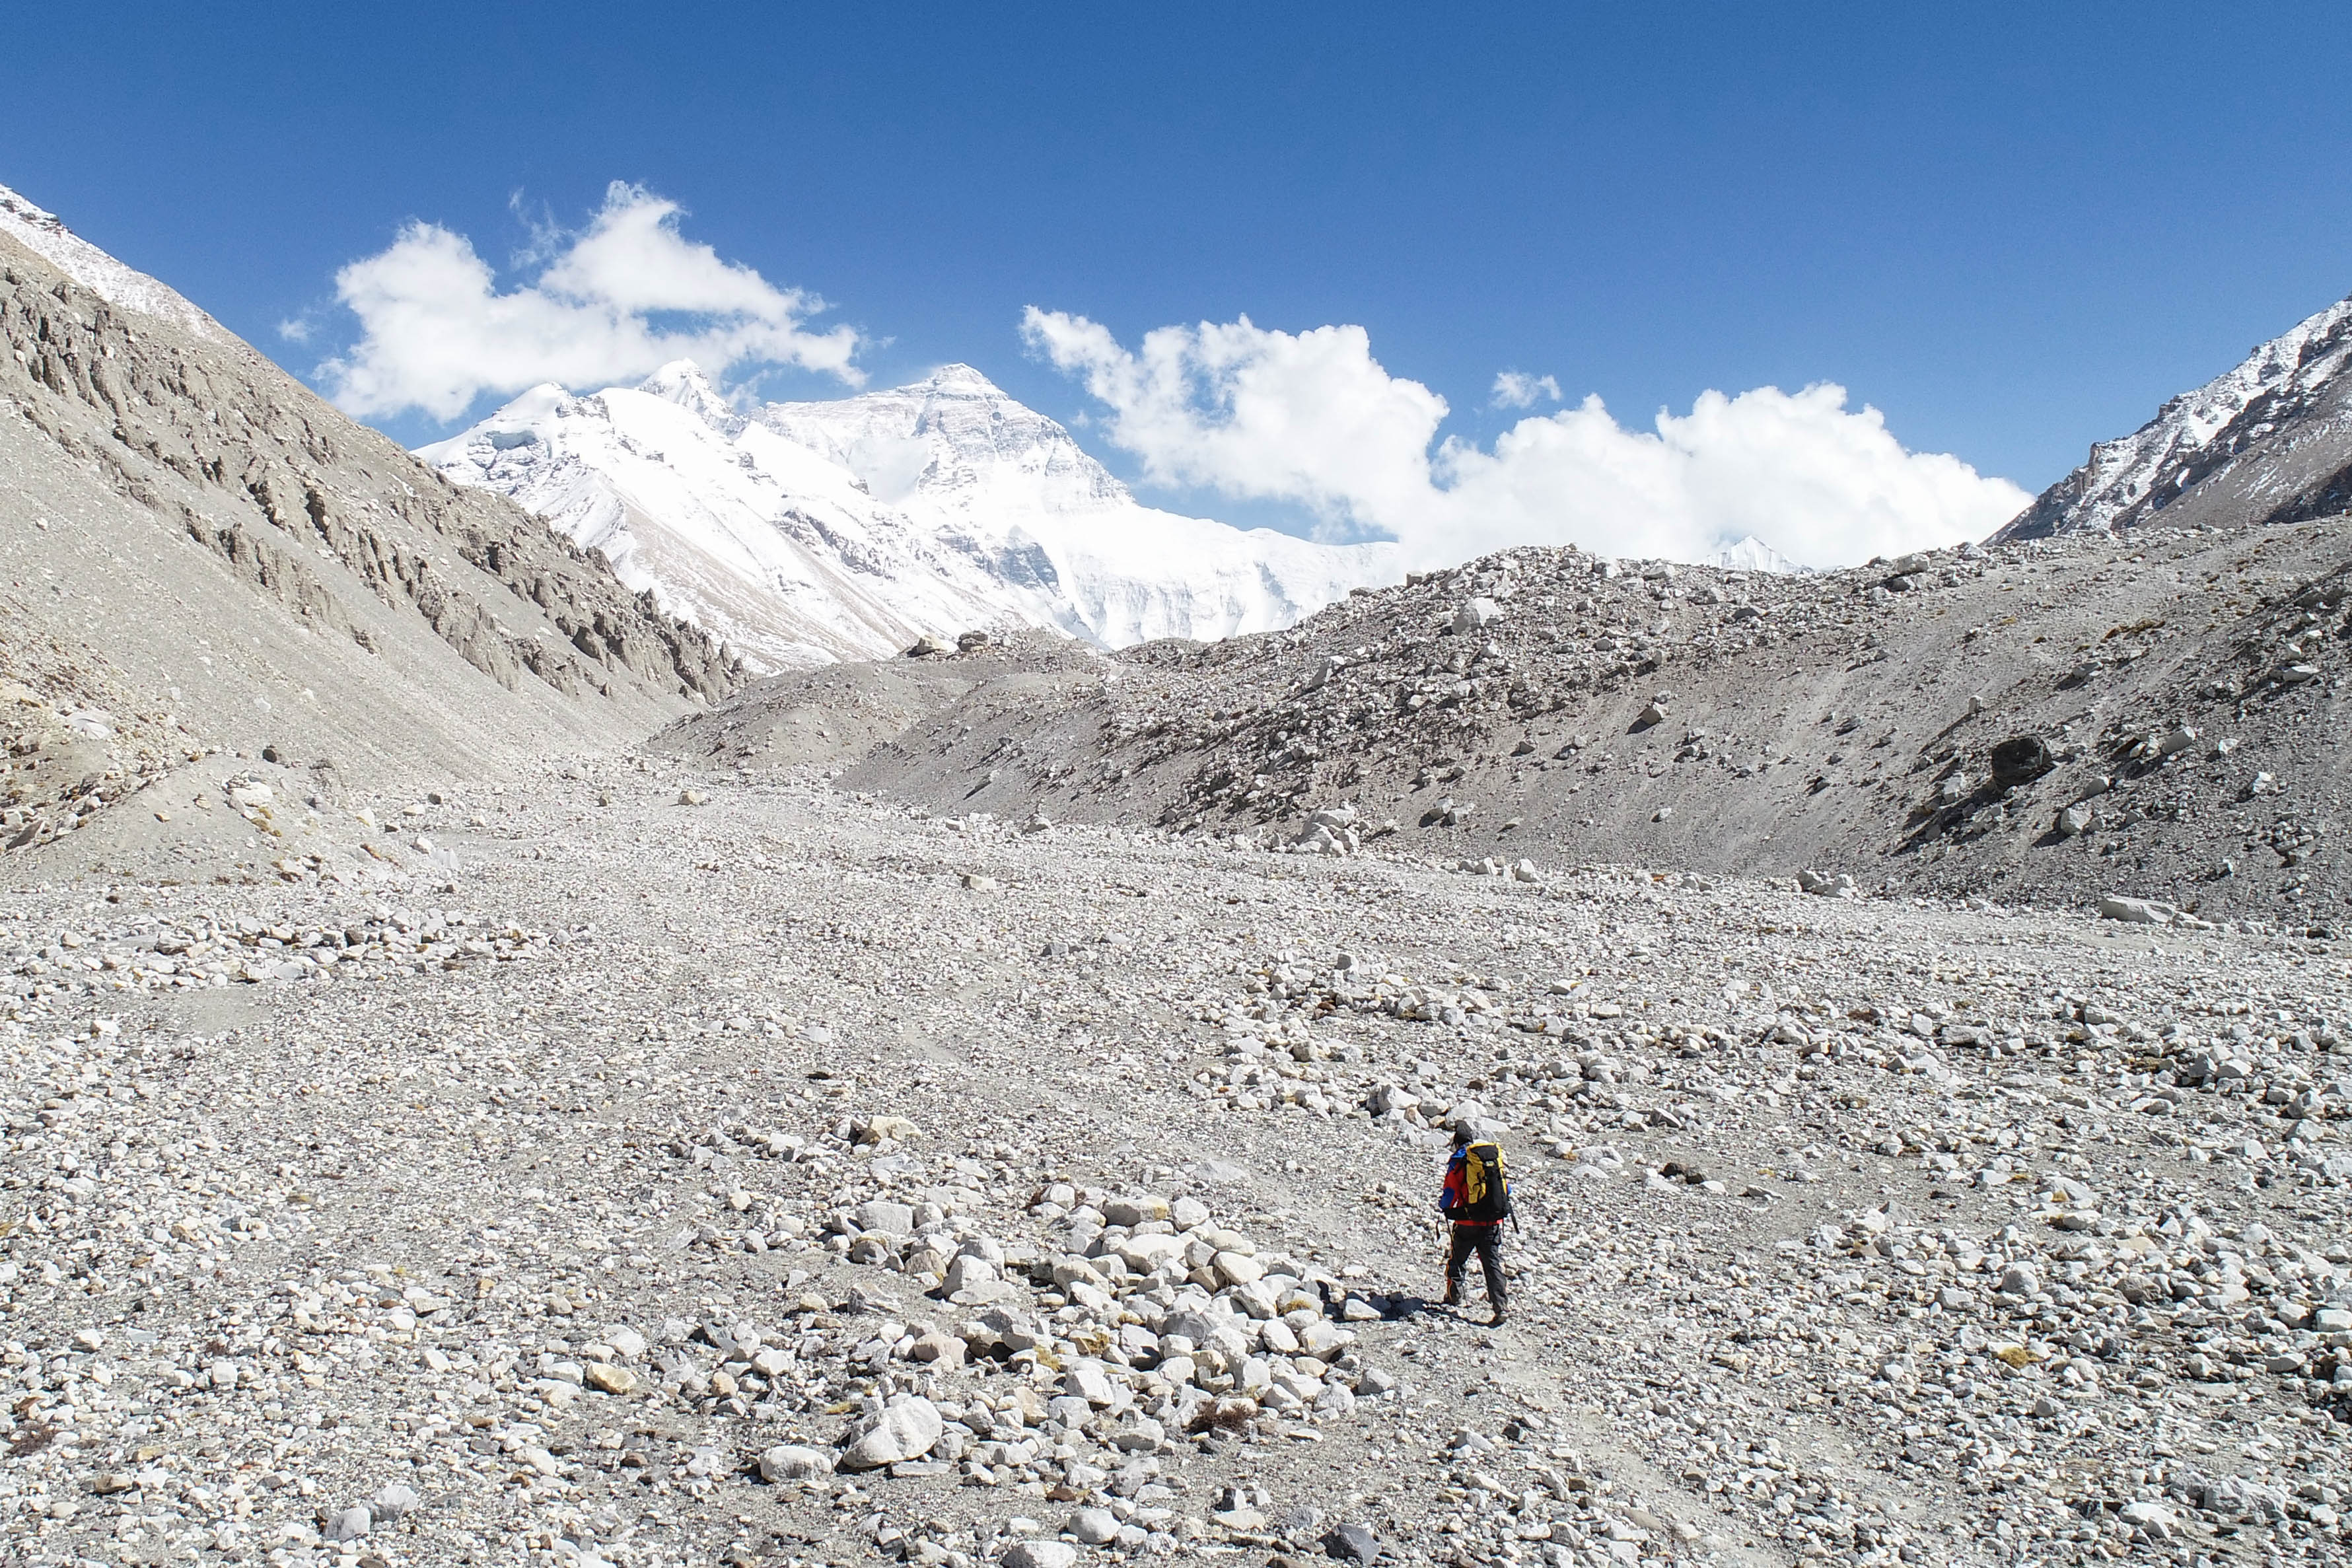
column 1453, row 1297
column 1497, row 1320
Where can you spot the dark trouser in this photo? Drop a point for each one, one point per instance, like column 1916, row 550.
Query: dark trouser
column 1486, row 1241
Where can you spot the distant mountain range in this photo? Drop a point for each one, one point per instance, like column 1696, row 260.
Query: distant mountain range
column 803, row 532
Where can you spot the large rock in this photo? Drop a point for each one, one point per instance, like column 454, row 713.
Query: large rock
column 792, row 1462
column 350, row 1524
column 394, row 1500
column 1477, row 615
column 1841, row 886
column 890, row 1218
column 901, row 1431
column 1086, row 1380
column 1145, row 1253
column 968, row 1272
column 2137, row 912
column 1135, row 1210
column 2020, row 760
column 1040, row 1554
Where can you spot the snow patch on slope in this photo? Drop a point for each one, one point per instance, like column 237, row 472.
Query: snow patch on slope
column 44, row 233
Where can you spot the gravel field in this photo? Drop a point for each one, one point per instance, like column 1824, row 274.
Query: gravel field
column 671, row 1171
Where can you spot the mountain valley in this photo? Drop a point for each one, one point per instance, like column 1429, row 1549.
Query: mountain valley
column 518, row 1045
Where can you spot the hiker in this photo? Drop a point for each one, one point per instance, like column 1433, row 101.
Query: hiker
column 1477, row 1198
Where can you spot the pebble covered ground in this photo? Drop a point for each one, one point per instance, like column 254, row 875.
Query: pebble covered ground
column 672, row 1171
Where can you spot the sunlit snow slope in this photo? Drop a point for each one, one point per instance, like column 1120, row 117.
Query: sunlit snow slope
column 2266, row 442
column 807, row 531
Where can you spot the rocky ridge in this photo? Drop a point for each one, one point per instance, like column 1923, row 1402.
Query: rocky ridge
column 2154, row 719
column 2269, row 441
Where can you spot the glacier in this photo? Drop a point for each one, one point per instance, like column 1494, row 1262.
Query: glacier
column 800, row 533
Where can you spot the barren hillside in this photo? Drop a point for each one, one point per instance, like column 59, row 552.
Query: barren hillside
column 2172, row 702
column 202, row 565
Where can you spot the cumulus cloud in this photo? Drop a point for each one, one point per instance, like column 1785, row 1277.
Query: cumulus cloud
column 614, row 301
column 1516, row 389
column 1312, row 418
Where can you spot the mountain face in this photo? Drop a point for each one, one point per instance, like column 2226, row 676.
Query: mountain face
column 206, row 570
column 803, row 532
column 2269, row 442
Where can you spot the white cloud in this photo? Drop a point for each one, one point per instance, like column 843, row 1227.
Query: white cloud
column 1312, row 418
column 618, row 301
column 1517, row 389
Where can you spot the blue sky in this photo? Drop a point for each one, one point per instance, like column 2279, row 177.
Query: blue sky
column 2013, row 230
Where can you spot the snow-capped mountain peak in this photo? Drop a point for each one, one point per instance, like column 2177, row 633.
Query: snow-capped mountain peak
column 2268, row 440
column 682, row 382
column 1752, row 554
column 804, row 531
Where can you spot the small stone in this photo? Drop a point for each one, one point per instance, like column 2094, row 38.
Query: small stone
column 609, row 1379
column 692, row 798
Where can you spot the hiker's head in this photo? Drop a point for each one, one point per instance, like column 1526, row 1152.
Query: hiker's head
column 1462, row 1138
